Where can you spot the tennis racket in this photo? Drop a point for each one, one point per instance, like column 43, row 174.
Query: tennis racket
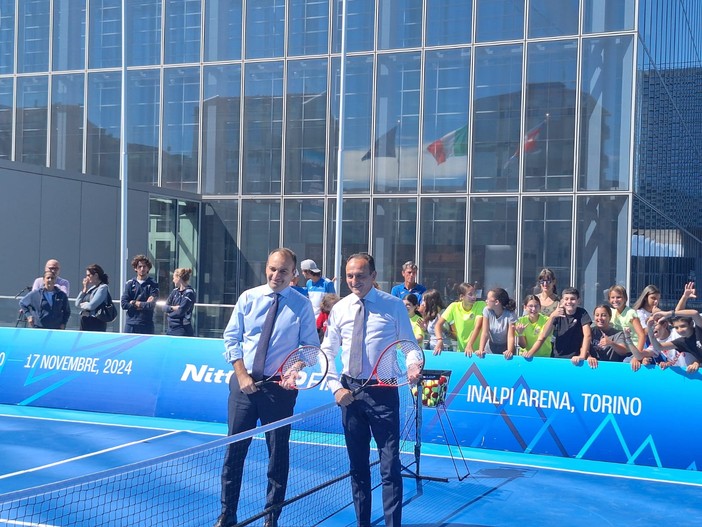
column 399, row 364
column 304, row 368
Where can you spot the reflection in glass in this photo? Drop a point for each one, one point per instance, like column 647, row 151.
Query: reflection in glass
column 7, row 37
column 394, row 237
column 360, row 25
column 69, row 35
column 354, row 236
column 605, row 119
column 397, row 123
column 496, row 116
column 548, row 147
column 33, row 36
column 181, row 114
column 220, row 129
column 67, row 122
column 546, row 240
column 141, row 135
column 357, row 124
column 102, row 141
column 552, row 18
column 263, row 122
column 260, row 233
column 222, row 30
column 182, row 31
column 492, row 254
column 445, row 134
column 265, row 29
column 308, row 22
column 499, row 20
column 220, row 225
column 601, row 231
column 399, row 24
column 604, row 15
column 661, row 249
column 306, row 127
column 6, row 93
column 304, row 230
column 443, row 249
column 105, row 33
column 448, row 22
column 31, row 120
column 144, row 28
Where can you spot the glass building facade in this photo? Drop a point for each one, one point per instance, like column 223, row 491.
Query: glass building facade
column 484, row 139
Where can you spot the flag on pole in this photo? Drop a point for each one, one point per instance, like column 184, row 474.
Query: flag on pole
column 529, row 143
column 454, row 143
column 384, row 145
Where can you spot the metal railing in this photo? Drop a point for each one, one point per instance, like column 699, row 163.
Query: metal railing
column 209, row 320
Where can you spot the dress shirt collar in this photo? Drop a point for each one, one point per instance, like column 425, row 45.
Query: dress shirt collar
column 371, row 296
column 269, row 292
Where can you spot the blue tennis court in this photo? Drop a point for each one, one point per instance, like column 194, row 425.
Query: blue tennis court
column 42, row 446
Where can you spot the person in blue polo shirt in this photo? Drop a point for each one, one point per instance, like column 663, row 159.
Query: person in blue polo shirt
column 410, row 285
column 317, row 285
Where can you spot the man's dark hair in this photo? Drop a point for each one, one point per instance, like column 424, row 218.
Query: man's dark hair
column 141, row 258
column 363, row 256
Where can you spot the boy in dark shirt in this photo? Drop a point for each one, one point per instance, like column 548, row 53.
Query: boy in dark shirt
column 571, row 328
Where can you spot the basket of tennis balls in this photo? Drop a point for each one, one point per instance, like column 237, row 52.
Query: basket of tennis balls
column 434, row 387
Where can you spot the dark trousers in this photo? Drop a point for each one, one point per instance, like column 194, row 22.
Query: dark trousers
column 376, row 412
column 270, row 403
column 145, row 328
column 92, row 324
column 181, row 331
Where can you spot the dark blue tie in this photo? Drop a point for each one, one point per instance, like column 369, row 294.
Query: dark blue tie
column 263, row 341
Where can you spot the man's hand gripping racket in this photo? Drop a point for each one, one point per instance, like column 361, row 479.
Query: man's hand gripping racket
column 399, row 364
column 304, row 368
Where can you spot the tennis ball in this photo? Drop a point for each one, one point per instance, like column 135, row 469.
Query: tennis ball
column 427, row 391
column 442, row 380
column 431, row 402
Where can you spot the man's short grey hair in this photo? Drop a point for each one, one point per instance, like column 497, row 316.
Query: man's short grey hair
column 409, row 265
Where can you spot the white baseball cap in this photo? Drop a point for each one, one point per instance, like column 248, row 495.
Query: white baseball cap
column 309, row 265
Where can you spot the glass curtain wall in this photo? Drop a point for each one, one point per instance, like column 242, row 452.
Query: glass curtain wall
column 485, row 139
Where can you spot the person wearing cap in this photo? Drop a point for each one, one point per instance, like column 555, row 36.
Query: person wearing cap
column 410, row 285
column 317, row 285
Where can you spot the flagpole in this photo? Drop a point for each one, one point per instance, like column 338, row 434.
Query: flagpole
column 123, row 252
column 547, row 119
column 338, row 272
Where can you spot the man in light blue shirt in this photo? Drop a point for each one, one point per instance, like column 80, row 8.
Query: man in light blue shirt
column 293, row 325
column 376, row 411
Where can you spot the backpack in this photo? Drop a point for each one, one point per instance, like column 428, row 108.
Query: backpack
column 107, row 311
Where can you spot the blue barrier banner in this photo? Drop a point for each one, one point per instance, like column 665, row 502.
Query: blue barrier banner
column 539, row 406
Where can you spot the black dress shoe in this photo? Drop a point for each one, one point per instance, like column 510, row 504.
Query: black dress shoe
column 225, row 521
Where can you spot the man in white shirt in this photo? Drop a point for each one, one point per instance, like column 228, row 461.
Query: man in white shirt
column 374, row 411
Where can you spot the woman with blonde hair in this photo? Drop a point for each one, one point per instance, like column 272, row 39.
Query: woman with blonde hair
column 179, row 305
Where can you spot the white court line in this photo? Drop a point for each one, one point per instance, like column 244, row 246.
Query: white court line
column 85, row 456
column 25, row 524
column 118, row 425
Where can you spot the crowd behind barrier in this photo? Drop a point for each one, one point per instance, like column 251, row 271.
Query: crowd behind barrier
column 614, row 331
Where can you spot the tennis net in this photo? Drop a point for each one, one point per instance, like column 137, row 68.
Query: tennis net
column 183, row 488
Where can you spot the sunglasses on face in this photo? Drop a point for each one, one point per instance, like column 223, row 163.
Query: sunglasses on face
column 545, row 282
